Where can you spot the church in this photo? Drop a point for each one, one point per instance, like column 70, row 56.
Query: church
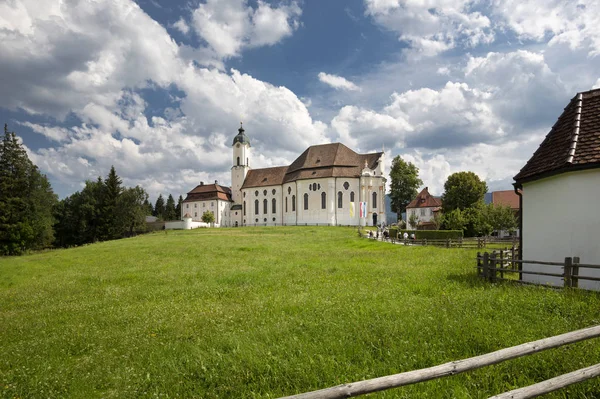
column 328, row 184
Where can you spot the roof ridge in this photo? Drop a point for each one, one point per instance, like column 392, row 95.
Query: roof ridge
column 576, row 124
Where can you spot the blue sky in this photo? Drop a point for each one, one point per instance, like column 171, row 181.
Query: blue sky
column 158, row 88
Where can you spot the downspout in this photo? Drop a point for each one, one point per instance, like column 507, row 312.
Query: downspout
column 518, row 186
column 335, row 201
column 296, row 202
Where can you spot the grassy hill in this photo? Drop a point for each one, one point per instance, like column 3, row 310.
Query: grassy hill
column 267, row 312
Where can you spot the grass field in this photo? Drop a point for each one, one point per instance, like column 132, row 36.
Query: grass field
column 267, row 312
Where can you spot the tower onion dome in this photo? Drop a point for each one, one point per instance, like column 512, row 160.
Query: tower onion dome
column 241, row 137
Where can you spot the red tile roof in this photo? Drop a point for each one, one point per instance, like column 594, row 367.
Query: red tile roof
column 573, row 143
column 425, row 200
column 207, row 192
column 506, row 197
column 318, row 161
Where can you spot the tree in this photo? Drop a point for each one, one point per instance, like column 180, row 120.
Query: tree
column 132, row 212
column 110, row 226
column 170, row 212
column 179, row 207
column 404, row 183
column 26, row 200
column 159, row 207
column 413, row 221
column 462, row 190
column 502, row 218
column 453, row 220
column 478, row 220
column 148, row 209
column 208, row 217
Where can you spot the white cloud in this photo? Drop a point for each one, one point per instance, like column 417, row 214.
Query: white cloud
column 182, row 26
column 337, row 82
column 228, row 26
column 432, row 27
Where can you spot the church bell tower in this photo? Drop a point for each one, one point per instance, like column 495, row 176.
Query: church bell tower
column 240, row 168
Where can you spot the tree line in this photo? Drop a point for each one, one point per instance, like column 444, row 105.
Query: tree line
column 32, row 217
column 463, row 206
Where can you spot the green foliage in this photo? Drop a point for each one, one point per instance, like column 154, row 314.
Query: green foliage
column 26, row 200
column 159, row 207
column 270, row 312
column 103, row 210
column 502, row 218
column 179, row 207
column 208, row 217
column 170, row 212
column 427, row 234
column 148, row 208
column 454, row 220
column 405, row 180
column 462, row 190
column 413, row 220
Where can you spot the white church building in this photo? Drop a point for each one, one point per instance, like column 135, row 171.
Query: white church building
column 327, row 184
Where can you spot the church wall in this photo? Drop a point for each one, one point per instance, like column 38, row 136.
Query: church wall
column 262, row 194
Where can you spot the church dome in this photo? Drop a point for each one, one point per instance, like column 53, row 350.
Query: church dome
column 241, row 137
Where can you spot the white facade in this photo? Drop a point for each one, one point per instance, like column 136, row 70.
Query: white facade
column 424, row 214
column 560, row 219
column 217, row 207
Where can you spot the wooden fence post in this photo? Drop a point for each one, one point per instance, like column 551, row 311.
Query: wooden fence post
column 568, row 271
column 478, row 264
column 486, row 265
column 448, row 243
column 575, row 272
column 492, row 269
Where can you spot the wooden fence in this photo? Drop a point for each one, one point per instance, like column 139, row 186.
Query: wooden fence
column 493, row 266
column 460, row 366
column 450, row 242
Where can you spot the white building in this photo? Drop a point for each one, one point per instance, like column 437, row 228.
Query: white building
column 422, row 210
column 560, row 191
column 327, row 184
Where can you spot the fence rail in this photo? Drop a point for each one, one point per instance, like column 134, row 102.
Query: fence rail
column 493, row 266
column 446, row 243
column 460, row 366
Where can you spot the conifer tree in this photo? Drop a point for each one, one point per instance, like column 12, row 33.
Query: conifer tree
column 110, row 224
column 159, row 207
column 26, row 200
column 170, row 213
column 179, row 207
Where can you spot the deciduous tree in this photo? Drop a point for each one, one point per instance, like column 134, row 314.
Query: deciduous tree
column 462, row 190
column 404, row 183
column 208, row 217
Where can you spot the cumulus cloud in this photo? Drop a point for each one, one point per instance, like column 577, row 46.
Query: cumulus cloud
column 229, row 26
column 337, row 82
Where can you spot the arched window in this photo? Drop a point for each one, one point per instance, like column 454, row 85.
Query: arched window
column 293, row 203
column 265, row 203
column 238, row 161
column 244, row 208
column 286, row 208
column 273, row 205
column 323, row 200
column 351, row 196
column 306, row 201
column 289, row 190
column 340, row 201
column 374, row 200
column 256, row 207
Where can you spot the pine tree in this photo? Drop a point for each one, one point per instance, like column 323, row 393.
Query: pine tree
column 110, row 224
column 148, row 209
column 179, row 207
column 159, row 207
column 170, row 212
column 26, row 200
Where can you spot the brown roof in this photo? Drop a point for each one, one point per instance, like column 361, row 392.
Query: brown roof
column 318, row 161
column 573, row 143
column 425, row 200
column 506, row 197
column 204, row 192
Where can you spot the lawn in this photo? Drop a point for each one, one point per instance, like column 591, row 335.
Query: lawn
column 268, row 312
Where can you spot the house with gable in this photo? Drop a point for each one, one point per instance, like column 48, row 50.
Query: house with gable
column 424, row 207
column 560, row 190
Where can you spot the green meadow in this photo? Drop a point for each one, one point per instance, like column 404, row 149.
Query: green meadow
column 269, row 312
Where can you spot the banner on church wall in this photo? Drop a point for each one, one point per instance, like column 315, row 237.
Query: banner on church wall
column 363, row 209
column 352, row 209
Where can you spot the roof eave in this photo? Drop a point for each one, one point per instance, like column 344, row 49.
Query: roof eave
column 565, row 169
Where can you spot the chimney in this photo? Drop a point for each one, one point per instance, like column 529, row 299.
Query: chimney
column 216, row 182
column 201, row 183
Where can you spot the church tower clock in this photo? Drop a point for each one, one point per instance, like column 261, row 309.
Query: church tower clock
column 240, row 168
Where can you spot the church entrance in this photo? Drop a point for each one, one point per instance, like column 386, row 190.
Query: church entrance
column 374, row 218
column 236, row 224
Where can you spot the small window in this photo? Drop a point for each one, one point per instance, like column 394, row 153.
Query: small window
column 265, row 219
column 256, row 220
column 256, row 193
column 305, row 202
column 430, row 212
column 256, row 207
column 195, row 205
column 273, row 206
column 274, row 191
column 351, row 196
column 204, row 205
column 374, row 200
column 244, row 194
column 346, row 185
column 235, row 214
column 293, row 203
column 265, row 206
column 286, row 207
column 323, row 200
column 187, row 206
column 314, row 186
column 422, row 211
column 264, row 192
column 273, row 219
column 289, row 190
column 212, row 204
column 310, row 187
column 340, row 199
column 244, row 208
column 238, row 161
column 318, row 186
column 195, row 214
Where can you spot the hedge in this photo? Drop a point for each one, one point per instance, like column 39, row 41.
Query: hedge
column 428, row 234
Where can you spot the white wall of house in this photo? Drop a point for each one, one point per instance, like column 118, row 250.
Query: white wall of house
column 424, row 214
column 561, row 219
column 218, row 207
